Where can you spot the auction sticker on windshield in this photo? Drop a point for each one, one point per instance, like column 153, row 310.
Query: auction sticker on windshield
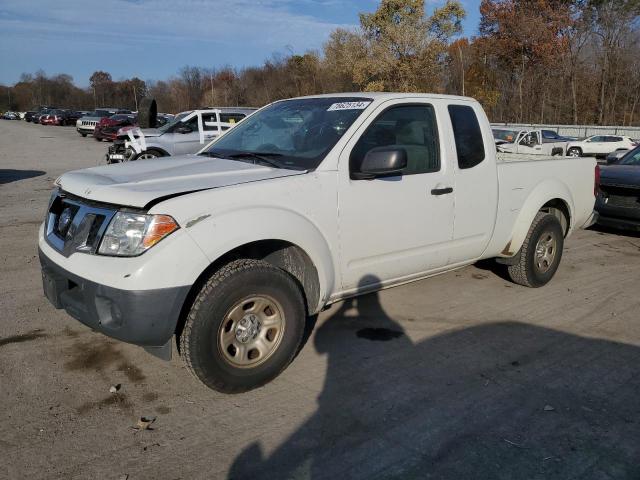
column 348, row 106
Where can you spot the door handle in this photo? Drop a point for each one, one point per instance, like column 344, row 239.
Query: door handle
column 441, row 191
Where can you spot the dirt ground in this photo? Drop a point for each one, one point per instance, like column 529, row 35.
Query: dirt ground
column 465, row 375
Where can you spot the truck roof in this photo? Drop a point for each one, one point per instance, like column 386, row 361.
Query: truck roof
column 390, row 95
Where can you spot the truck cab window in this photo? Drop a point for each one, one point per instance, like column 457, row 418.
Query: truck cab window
column 411, row 127
column 468, row 136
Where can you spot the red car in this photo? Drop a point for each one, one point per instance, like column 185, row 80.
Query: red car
column 55, row 117
column 107, row 128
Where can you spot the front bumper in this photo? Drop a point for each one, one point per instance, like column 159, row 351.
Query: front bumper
column 87, row 130
column 143, row 317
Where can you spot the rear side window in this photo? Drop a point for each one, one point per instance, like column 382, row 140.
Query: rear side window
column 468, row 136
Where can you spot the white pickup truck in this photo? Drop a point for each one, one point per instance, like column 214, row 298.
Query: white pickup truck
column 306, row 202
column 534, row 142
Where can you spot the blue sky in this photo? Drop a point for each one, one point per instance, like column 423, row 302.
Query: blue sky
column 153, row 39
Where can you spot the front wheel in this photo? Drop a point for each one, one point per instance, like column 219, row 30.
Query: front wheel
column 148, row 155
column 574, row 152
column 539, row 257
column 244, row 327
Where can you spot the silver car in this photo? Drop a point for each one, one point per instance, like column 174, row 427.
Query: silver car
column 187, row 133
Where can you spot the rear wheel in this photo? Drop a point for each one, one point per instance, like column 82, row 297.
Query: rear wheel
column 540, row 255
column 244, row 327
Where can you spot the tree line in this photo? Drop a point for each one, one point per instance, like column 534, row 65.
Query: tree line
column 538, row 61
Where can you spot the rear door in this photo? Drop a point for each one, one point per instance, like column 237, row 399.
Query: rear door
column 396, row 227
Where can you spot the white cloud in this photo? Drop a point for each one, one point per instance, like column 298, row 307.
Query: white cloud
column 262, row 23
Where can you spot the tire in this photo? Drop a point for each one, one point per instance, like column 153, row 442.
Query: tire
column 83, row 134
column 574, row 152
column 149, row 154
column 217, row 313
column 532, row 268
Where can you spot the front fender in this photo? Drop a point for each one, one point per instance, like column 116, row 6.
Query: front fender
column 543, row 193
column 218, row 234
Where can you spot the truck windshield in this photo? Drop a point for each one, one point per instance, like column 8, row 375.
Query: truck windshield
column 295, row 134
column 631, row 158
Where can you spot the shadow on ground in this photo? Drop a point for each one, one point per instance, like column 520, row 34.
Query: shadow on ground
column 498, row 401
column 10, row 175
column 615, row 231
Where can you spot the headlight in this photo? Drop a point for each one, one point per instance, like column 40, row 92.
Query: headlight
column 130, row 234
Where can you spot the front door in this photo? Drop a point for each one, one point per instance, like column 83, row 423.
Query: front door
column 530, row 143
column 396, row 227
column 186, row 137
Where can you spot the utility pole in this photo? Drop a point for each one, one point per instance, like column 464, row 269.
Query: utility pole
column 211, row 80
column 135, row 97
column 462, row 67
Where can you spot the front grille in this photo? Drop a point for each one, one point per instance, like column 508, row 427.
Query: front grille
column 88, row 123
column 76, row 226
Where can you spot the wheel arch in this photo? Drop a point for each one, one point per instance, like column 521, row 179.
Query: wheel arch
column 157, row 149
column 552, row 196
column 280, row 253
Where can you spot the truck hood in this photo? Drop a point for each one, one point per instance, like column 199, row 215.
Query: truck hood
column 139, row 183
column 147, row 132
column 627, row 175
column 150, row 132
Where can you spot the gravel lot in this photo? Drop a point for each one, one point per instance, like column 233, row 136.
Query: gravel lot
column 461, row 376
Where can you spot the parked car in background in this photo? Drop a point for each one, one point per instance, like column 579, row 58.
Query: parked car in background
column 186, row 134
column 11, row 116
column 70, row 117
column 54, row 117
column 107, row 128
column 550, row 136
column 307, row 202
column 599, row 145
column 532, row 142
column 87, row 124
column 28, row 116
column 618, row 201
column 503, row 135
column 37, row 118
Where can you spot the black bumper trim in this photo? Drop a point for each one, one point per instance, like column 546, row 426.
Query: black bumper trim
column 620, row 223
column 143, row 317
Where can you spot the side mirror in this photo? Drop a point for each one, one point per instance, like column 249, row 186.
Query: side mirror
column 183, row 129
column 381, row 162
column 611, row 159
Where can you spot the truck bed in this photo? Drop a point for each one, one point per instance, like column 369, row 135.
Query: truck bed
column 524, row 186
